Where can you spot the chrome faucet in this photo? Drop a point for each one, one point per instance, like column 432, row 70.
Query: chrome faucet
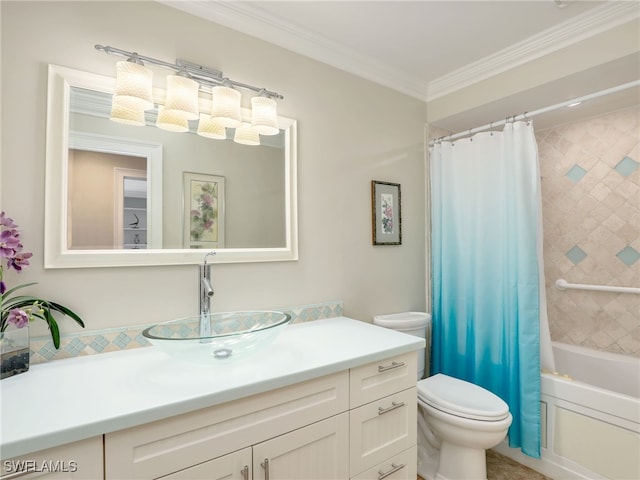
column 206, row 292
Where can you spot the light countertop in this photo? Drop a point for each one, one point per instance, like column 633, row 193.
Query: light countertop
column 68, row 400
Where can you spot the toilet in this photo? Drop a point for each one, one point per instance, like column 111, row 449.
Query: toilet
column 457, row 421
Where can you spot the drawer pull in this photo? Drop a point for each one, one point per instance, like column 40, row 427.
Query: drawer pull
column 245, row 472
column 394, row 469
column 394, row 405
column 265, row 465
column 386, row 368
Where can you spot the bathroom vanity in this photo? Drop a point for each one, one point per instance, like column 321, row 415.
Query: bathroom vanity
column 330, row 399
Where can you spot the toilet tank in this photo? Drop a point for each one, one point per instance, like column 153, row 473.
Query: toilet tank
column 412, row 323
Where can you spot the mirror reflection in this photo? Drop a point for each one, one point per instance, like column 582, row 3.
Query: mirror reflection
column 116, row 191
column 216, row 193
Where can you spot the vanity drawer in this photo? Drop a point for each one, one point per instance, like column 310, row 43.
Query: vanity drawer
column 166, row 446
column 379, row 379
column 382, row 429
column 403, row 466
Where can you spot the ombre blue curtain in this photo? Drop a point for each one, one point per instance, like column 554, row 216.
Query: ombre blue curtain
column 485, row 266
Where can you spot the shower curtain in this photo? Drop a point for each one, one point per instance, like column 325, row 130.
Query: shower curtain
column 488, row 285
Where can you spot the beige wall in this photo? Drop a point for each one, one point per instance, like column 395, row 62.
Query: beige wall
column 350, row 132
column 591, row 202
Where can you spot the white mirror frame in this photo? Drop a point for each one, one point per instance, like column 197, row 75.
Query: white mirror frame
column 56, row 253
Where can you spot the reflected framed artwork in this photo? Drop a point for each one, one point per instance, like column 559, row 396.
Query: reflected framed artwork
column 386, row 213
column 203, row 199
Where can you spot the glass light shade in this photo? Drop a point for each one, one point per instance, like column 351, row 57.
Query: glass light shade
column 264, row 116
column 225, row 106
column 128, row 116
column 134, row 86
column 168, row 120
column 182, row 97
column 246, row 135
column 210, row 128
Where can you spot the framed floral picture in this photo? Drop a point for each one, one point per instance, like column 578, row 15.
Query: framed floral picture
column 386, row 213
column 203, row 200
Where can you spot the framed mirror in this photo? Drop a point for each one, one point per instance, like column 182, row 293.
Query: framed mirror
column 123, row 195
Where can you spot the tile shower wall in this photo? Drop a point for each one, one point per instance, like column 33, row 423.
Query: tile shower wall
column 591, row 219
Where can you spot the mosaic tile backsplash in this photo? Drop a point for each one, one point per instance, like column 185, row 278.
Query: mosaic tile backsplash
column 113, row 339
column 591, row 218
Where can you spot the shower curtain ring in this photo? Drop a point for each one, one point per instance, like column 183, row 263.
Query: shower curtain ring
column 527, row 118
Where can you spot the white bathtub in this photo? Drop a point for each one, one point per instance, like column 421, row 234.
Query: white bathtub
column 590, row 417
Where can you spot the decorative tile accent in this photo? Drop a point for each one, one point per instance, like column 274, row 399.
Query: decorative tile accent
column 628, row 256
column 576, row 173
column 576, row 255
column 626, row 166
column 109, row 340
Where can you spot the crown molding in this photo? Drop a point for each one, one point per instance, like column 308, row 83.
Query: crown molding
column 581, row 27
column 257, row 23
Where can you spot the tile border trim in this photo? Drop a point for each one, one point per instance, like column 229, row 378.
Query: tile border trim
column 128, row 337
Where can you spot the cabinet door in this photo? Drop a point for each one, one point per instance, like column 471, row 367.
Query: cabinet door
column 75, row 461
column 316, row 452
column 235, row 466
column 382, row 429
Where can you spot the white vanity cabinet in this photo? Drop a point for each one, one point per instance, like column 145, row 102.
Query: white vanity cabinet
column 383, row 419
column 335, row 418
column 358, row 423
column 271, row 423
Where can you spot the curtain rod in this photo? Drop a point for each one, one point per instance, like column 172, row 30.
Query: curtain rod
column 528, row 115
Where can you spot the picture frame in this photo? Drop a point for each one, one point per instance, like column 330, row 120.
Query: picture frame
column 386, row 213
column 203, row 210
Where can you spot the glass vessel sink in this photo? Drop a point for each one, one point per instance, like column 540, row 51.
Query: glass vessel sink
column 234, row 335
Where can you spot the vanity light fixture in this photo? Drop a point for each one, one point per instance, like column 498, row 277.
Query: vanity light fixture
column 182, row 96
column 134, row 84
column 211, row 128
column 127, row 116
column 246, row 135
column 264, row 115
column 226, row 105
column 133, row 95
column 171, row 121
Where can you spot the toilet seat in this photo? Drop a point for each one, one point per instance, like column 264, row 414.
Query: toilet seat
column 462, row 399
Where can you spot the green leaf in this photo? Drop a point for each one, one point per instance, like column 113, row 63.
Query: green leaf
column 67, row 312
column 17, row 287
column 25, row 301
column 53, row 327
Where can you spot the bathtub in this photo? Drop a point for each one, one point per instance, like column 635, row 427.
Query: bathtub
column 590, row 412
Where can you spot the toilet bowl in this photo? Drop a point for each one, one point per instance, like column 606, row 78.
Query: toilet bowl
column 457, row 420
column 460, row 422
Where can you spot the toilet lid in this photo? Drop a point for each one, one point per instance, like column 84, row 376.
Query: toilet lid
column 460, row 398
